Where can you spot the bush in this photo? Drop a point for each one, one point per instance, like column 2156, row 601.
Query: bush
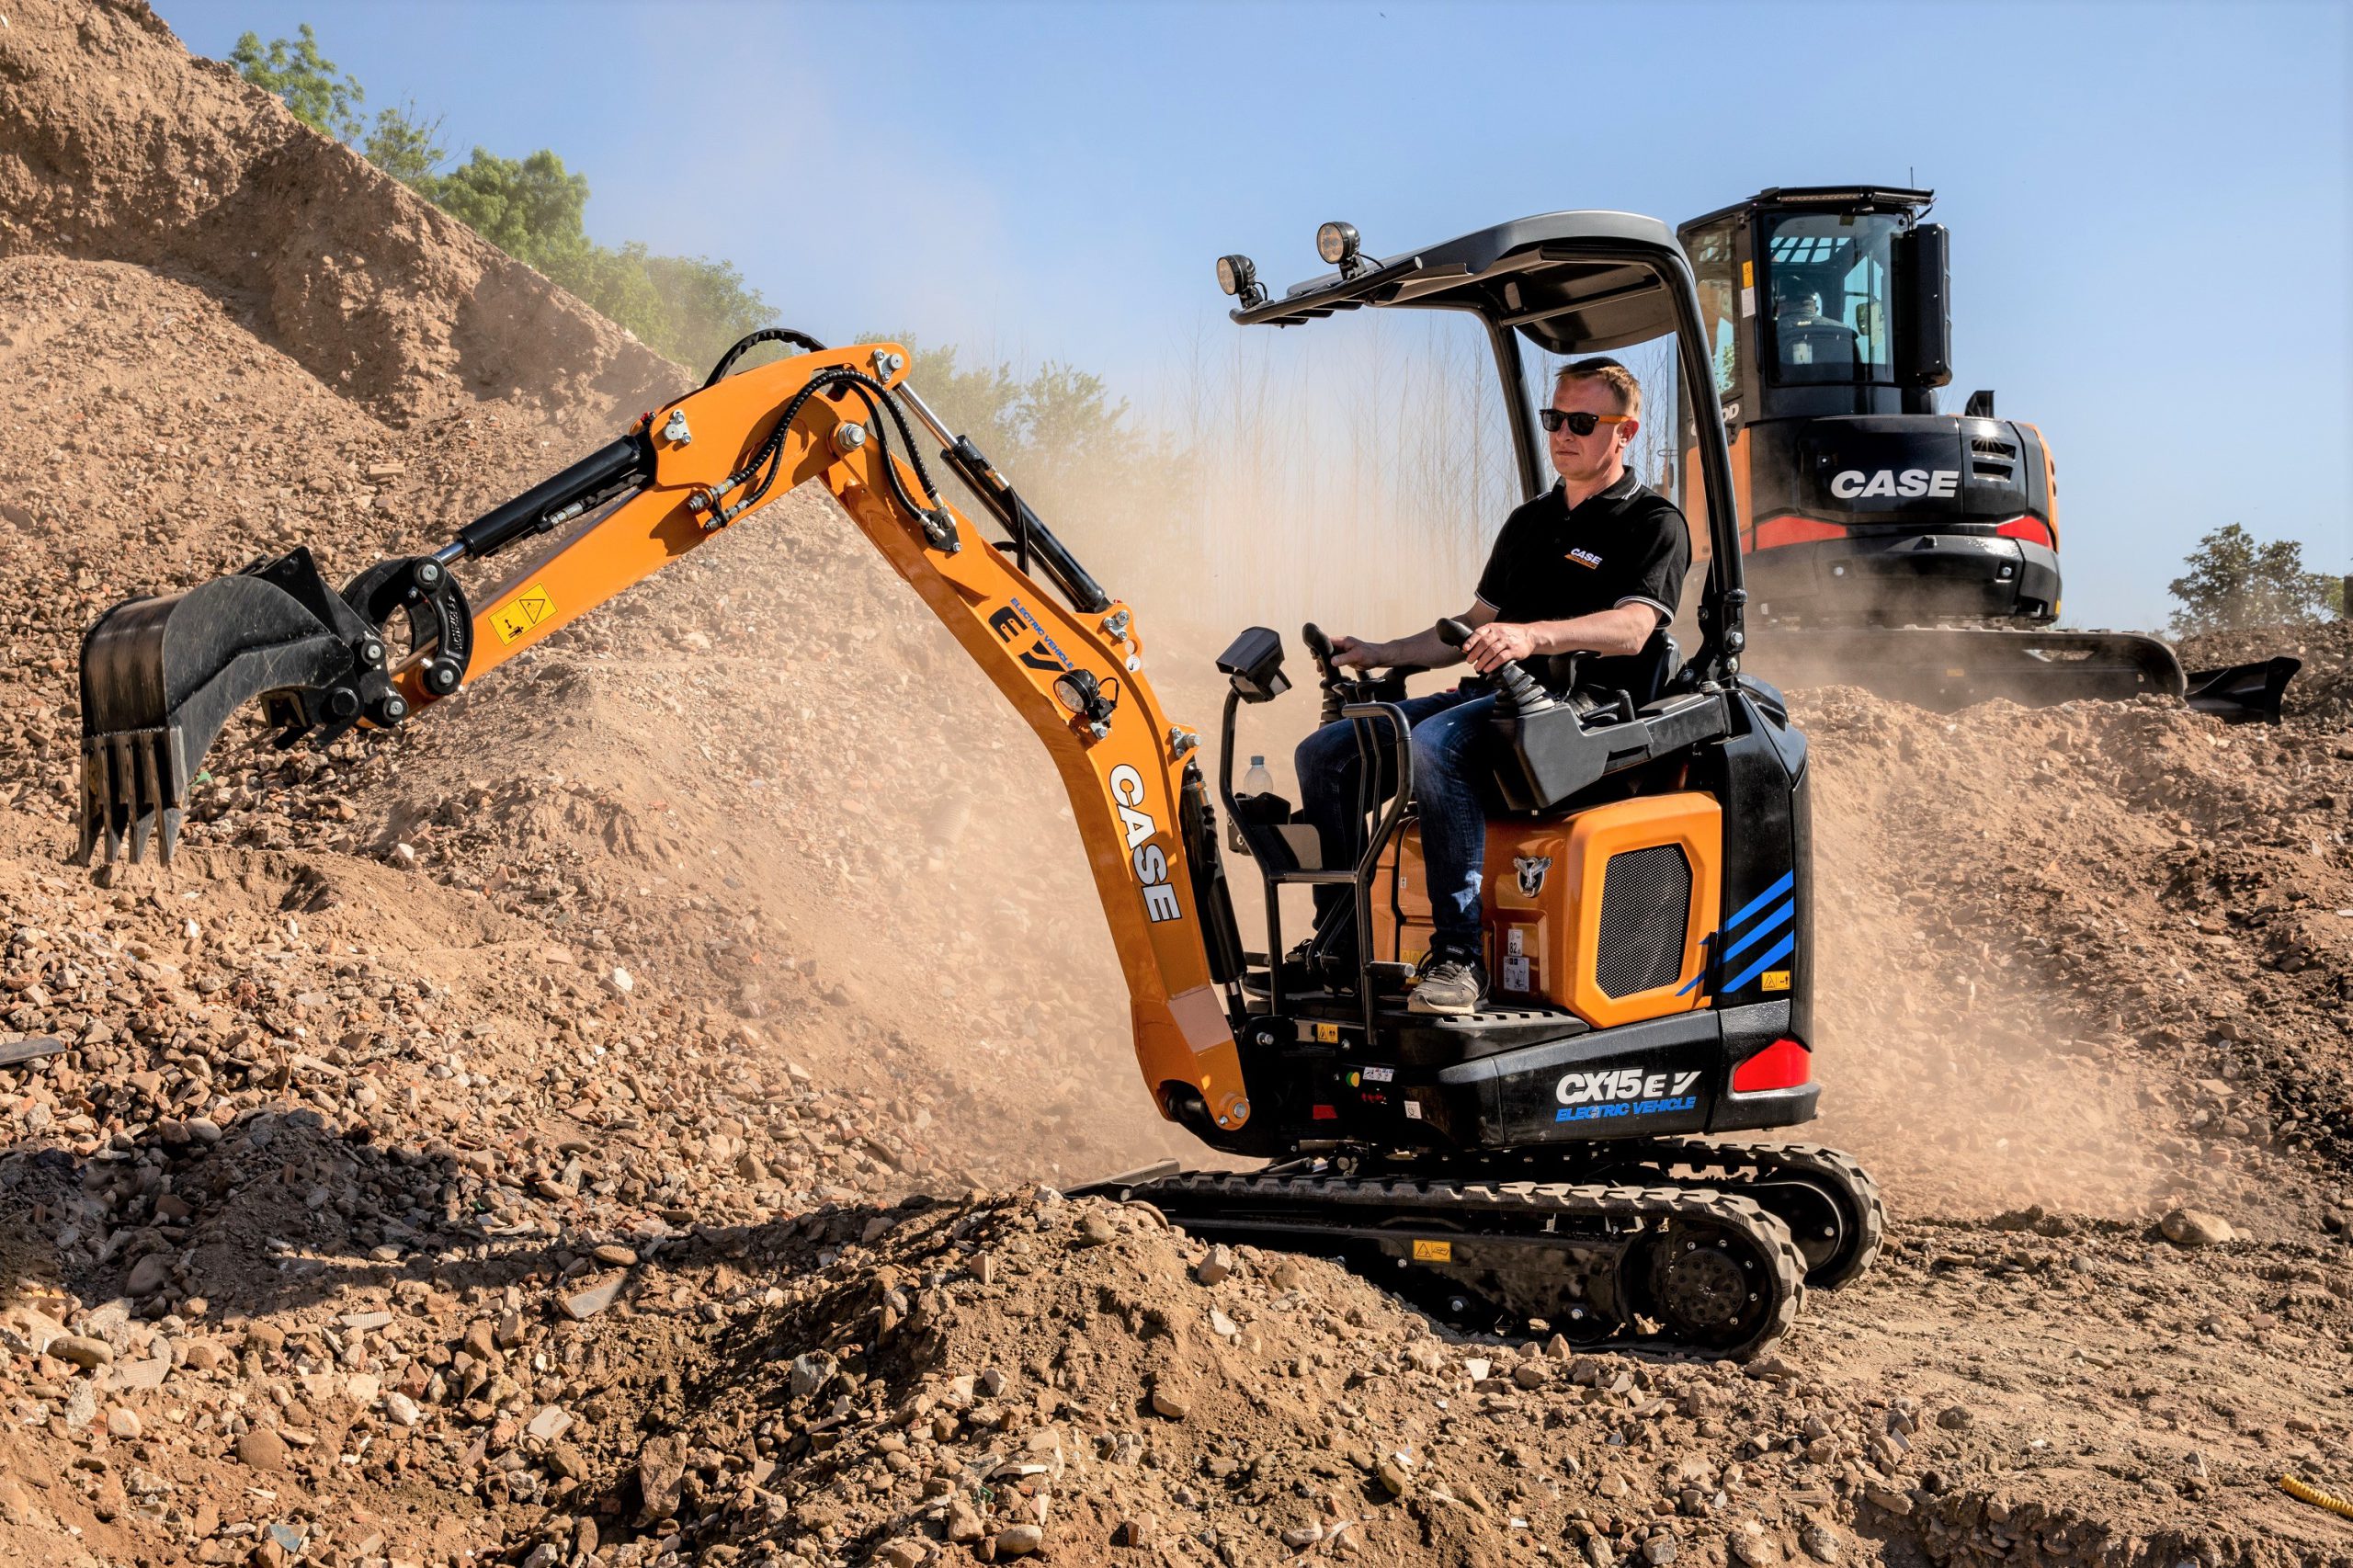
column 2232, row 582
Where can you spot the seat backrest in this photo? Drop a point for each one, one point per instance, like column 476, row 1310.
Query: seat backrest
column 1656, row 664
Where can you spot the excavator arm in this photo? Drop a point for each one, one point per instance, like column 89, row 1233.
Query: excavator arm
column 161, row 675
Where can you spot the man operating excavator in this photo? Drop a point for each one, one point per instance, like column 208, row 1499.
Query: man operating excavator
column 1593, row 567
column 1534, row 1161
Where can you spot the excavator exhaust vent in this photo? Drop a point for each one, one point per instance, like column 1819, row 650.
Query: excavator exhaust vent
column 1645, row 900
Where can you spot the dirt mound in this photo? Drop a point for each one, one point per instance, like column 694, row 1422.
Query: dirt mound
column 2093, row 956
column 178, row 164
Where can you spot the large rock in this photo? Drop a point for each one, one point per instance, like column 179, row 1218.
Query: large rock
column 262, row 1450
column 82, row 1351
column 149, row 1275
column 661, row 1470
column 2195, row 1228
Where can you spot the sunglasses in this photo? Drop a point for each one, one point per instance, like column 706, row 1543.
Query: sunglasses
column 1579, row 422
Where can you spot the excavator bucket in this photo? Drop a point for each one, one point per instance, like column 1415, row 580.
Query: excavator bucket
column 162, row 675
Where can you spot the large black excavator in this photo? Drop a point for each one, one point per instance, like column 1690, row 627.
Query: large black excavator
column 1538, row 1164
column 1889, row 545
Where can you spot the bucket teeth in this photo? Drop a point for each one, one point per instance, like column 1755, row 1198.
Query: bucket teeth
column 133, row 790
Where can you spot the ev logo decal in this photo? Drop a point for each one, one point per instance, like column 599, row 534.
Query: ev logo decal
column 1151, row 863
column 1850, row 483
column 1044, row 654
column 1531, row 869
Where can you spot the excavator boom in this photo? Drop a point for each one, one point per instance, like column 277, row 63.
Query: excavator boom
column 162, row 676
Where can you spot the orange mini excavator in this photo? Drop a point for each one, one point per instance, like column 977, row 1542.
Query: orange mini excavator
column 1536, row 1165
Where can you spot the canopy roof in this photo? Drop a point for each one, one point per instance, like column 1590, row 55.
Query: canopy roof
column 1574, row 283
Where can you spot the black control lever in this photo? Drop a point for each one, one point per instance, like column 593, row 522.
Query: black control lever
column 1525, row 694
column 1319, row 648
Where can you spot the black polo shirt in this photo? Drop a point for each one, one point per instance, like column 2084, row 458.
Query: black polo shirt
column 1627, row 544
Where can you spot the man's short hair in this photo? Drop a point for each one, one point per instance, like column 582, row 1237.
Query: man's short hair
column 1609, row 373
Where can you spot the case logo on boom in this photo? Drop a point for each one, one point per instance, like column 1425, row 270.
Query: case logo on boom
column 1150, row 861
column 1849, row 484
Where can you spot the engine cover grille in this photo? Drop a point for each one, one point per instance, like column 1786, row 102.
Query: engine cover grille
column 1645, row 909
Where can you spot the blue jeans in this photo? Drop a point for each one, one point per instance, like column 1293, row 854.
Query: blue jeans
column 1447, row 726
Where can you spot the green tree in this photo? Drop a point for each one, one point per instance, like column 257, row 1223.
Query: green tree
column 303, row 79
column 2233, row 582
column 405, row 146
column 529, row 208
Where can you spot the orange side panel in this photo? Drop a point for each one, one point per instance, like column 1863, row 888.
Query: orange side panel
column 1691, row 822
column 2050, row 480
column 1542, row 894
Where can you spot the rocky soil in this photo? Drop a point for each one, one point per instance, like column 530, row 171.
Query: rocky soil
column 619, row 1119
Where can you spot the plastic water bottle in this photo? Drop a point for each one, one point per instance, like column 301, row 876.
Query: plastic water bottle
column 1257, row 781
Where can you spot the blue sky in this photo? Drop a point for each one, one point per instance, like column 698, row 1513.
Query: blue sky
column 2149, row 202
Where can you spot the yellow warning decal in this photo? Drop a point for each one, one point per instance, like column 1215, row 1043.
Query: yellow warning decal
column 1433, row 1251
column 1777, row 979
column 1327, row 1034
column 519, row 615
column 1748, row 275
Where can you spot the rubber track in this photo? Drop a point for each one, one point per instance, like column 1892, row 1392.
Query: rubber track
column 1717, row 1162
column 1215, row 1194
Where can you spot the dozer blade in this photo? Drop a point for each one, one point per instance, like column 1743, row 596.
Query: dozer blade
column 1944, row 668
column 2243, row 693
column 161, row 675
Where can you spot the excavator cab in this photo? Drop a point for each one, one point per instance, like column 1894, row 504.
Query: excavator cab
column 1623, row 830
column 1888, row 544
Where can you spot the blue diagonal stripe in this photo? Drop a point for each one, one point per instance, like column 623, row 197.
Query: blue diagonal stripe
column 1763, row 928
column 1707, row 964
column 1789, row 879
column 1781, row 950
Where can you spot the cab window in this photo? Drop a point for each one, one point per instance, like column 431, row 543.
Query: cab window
column 1827, row 276
column 1712, row 268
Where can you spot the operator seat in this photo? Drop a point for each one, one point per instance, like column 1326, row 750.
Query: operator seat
column 1643, row 676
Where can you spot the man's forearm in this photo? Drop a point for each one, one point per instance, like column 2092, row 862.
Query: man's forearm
column 1610, row 633
column 1422, row 648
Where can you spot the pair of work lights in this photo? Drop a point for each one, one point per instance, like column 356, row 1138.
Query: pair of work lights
column 1336, row 243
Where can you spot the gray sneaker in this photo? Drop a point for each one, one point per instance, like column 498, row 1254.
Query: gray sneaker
column 1449, row 984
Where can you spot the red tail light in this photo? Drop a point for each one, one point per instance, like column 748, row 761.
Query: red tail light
column 2034, row 531
column 1784, row 1065
column 1774, row 532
